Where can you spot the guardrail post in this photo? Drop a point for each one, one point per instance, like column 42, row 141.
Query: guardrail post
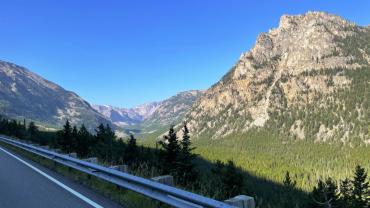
column 242, row 201
column 166, row 179
column 122, row 168
column 92, row 160
column 73, row 154
column 45, row 147
column 57, row 150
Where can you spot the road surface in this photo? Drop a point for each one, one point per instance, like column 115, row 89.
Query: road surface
column 24, row 183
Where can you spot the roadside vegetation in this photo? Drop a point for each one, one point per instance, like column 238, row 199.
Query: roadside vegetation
column 295, row 174
column 174, row 156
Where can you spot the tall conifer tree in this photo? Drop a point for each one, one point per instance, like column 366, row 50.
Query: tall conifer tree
column 171, row 148
column 360, row 194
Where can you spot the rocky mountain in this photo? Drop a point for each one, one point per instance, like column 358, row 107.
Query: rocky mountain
column 308, row 78
column 152, row 116
column 24, row 94
column 127, row 116
column 171, row 111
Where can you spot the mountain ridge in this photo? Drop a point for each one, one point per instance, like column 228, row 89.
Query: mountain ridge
column 305, row 61
column 26, row 95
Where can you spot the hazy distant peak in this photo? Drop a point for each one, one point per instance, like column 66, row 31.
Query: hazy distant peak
column 164, row 112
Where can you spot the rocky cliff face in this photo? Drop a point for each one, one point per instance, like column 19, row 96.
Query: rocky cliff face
column 24, row 94
column 292, row 80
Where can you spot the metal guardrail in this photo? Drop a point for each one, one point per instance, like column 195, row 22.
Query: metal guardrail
column 166, row 194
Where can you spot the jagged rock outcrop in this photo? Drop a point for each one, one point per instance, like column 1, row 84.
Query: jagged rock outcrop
column 301, row 69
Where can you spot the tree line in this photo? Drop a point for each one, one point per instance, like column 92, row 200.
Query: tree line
column 348, row 193
column 174, row 155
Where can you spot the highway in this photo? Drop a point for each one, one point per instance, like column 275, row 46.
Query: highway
column 25, row 184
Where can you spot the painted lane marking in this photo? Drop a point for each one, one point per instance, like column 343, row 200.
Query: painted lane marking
column 80, row 196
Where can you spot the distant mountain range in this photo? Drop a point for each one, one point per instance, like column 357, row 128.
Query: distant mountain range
column 151, row 116
column 127, row 116
column 26, row 95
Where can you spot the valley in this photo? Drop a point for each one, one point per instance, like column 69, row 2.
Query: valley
column 296, row 104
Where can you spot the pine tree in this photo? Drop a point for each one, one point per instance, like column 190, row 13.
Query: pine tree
column 360, row 195
column 324, row 194
column 228, row 178
column 74, row 136
column 24, row 126
column 186, row 170
column 65, row 137
column 345, row 190
column 33, row 132
column 171, row 148
column 83, row 142
column 131, row 152
column 186, row 142
column 233, row 180
column 100, row 132
column 105, row 138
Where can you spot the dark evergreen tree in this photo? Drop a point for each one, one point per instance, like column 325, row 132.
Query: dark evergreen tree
column 360, row 193
column 345, row 190
column 171, row 153
column 100, row 132
column 229, row 179
column 24, row 125
column 33, row 132
column 233, row 181
column 131, row 153
column 105, row 138
column 74, row 136
column 324, row 195
column 105, row 134
column 83, row 141
column 64, row 137
column 186, row 169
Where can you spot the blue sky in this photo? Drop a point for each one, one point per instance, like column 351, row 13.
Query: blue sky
column 125, row 53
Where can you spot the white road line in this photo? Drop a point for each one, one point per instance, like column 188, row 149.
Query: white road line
column 82, row 197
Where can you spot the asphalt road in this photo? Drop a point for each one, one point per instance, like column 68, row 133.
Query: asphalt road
column 25, row 184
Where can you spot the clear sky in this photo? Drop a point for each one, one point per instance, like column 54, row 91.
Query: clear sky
column 125, row 53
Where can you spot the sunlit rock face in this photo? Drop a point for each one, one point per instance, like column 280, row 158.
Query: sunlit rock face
column 300, row 64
